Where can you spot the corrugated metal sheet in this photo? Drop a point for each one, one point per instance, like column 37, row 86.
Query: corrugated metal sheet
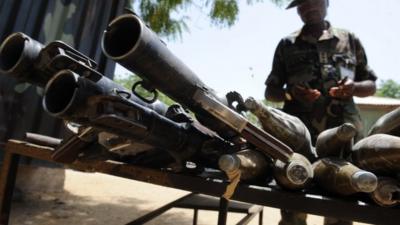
column 80, row 23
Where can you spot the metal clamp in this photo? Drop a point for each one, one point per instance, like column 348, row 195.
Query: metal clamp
column 148, row 88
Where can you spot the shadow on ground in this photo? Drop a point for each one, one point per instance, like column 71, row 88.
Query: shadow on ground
column 65, row 208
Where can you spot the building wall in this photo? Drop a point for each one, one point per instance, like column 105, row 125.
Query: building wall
column 370, row 115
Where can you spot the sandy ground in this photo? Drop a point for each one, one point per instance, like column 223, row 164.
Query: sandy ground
column 93, row 198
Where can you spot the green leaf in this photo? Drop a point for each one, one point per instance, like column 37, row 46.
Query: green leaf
column 168, row 18
column 388, row 88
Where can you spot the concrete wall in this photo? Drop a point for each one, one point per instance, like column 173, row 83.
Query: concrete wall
column 370, row 114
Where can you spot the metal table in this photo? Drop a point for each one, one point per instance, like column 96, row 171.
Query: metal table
column 348, row 209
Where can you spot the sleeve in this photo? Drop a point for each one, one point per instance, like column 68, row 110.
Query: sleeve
column 277, row 76
column 363, row 71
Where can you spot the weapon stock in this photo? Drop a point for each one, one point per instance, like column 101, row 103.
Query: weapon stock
column 128, row 41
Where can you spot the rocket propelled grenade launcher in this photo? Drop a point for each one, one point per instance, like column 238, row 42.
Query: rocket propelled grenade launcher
column 129, row 42
column 18, row 54
column 75, row 98
column 30, row 61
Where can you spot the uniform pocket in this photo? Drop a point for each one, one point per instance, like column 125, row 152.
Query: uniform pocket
column 345, row 64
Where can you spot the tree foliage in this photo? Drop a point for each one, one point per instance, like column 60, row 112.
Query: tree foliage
column 169, row 18
column 389, row 88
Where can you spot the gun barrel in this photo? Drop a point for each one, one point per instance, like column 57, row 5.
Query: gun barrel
column 18, row 53
column 128, row 41
column 61, row 93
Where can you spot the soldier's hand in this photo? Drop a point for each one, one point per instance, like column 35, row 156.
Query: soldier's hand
column 344, row 90
column 305, row 94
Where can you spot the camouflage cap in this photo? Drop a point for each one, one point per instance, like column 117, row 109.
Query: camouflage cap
column 295, row 3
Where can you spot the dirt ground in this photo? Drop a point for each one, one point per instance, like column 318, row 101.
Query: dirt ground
column 93, row 198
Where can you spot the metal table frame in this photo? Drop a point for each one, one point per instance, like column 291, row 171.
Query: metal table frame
column 204, row 202
column 348, row 209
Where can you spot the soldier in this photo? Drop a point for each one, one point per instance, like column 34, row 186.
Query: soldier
column 316, row 72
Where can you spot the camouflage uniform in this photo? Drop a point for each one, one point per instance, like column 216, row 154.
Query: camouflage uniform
column 319, row 64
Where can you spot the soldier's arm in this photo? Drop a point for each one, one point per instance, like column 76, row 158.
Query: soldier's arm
column 274, row 94
column 277, row 78
column 351, row 88
column 364, row 81
column 364, row 88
